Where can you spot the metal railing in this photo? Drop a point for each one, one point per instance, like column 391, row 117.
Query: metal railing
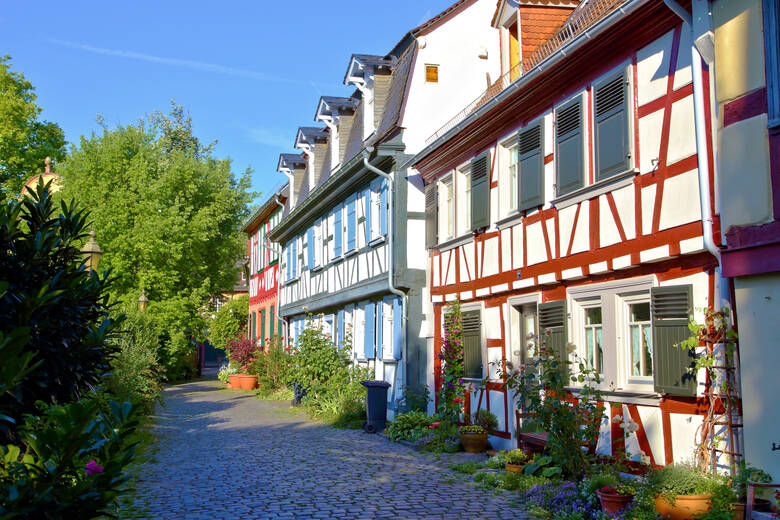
column 583, row 18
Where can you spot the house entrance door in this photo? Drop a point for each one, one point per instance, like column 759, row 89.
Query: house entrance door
column 524, row 341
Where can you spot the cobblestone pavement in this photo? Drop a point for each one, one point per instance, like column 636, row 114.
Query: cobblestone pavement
column 226, row 454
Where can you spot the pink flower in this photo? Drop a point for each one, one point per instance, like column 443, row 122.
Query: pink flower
column 93, row 468
column 434, row 424
column 457, row 400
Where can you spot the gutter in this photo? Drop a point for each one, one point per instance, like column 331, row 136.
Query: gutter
column 612, row 18
column 390, row 243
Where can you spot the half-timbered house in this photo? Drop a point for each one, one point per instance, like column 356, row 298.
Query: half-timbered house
column 263, row 267
column 564, row 203
column 353, row 256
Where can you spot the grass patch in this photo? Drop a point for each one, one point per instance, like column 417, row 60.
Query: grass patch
column 278, row 394
column 467, row 468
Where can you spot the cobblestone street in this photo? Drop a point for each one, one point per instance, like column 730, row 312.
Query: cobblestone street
column 226, row 454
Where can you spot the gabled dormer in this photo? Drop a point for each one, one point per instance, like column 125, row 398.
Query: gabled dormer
column 313, row 142
column 293, row 165
column 362, row 72
column 331, row 111
column 525, row 25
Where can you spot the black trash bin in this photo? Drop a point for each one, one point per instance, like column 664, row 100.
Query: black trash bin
column 376, row 405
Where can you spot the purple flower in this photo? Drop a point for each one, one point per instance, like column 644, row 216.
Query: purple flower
column 93, row 468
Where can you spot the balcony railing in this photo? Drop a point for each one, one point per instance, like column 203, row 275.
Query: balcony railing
column 584, row 17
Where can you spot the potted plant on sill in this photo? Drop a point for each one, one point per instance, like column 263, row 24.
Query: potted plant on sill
column 682, row 492
column 745, row 475
column 615, row 498
column 474, row 438
column 515, row 461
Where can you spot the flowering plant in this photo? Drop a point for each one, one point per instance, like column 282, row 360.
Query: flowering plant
column 242, row 353
column 225, row 372
column 618, row 489
column 451, row 356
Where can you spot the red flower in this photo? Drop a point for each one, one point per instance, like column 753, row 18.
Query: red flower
column 434, row 424
column 457, row 400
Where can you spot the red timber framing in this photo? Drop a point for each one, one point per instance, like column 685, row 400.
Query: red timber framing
column 460, row 272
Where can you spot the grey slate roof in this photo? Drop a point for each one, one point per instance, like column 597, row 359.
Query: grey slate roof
column 291, row 161
column 310, row 134
column 330, row 104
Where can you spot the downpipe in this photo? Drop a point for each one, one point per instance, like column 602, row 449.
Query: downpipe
column 390, row 177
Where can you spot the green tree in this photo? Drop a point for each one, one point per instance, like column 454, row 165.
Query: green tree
column 25, row 141
column 229, row 322
column 167, row 214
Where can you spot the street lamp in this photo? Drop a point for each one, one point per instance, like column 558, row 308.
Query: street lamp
column 143, row 301
column 91, row 252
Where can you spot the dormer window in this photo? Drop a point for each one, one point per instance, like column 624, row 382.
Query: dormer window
column 329, row 110
column 360, row 73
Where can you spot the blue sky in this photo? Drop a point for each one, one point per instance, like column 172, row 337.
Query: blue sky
column 249, row 72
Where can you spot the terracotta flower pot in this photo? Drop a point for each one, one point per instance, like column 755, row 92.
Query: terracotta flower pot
column 614, row 504
column 474, row 442
column 228, row 385
column 233, row 381
column 685, row 507
column 514, row 468
column 246, row 382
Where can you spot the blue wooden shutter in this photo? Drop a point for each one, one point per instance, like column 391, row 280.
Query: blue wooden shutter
column 383, row 209
column 398, row 318
column 337, row 231
column 671, row 308
column 480, row 192
column 351, row 223
column 380, row 342
column 340, row 328
column 295, row 257
column 368, row 340
column 310, row 247
column 553, row 329
column 611, row 127
column 289, row 262
column 367, row 213
column 431, row 215
column 569, row 146
column 530, row 167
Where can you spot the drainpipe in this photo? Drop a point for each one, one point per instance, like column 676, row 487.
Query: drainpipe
column 279, row 273
column 390, row 177
column 699, row 24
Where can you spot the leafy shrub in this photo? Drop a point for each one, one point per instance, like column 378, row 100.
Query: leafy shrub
column 136, row 373
column 229, row 322
column 467, row 468
column 415, row 400
column 516, row 457
column 497, row 461
column 443, row 437
column 409, row 426
column 272, row 365
column 679, row 479
column 746, row 474
column 341, row 399
column 225, row 372
column 242, row 353
column 486, row 419
column 49, row 291
column 74, row 464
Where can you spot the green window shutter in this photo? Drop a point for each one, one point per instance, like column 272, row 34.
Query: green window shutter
column 252, row 329
column 553, row 328
column 569, row 146
column 480, row 192
column 530, row 165
column 671, row 308
column 271, row 322
column 472, row 344
column 262, row 327
column 611, row 127
column 431, row 215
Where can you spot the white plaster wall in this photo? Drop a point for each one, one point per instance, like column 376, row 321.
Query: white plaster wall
column 491, row 257
column 680, row 203
column 652, row 67
column 517, row 247
column 454, row 46
column 535, row 243
column 650, row 140
column 744, row 173
column 758, row 308
column 682, row 135
column 684, row 429
column 608, row 231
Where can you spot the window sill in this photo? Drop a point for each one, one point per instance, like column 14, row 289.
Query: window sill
column 291, row 281
column 378, row 240
column 626, row 396
column 336, row 260
column 351, row 252
column 510, row 220
column 452, row 243
column 594, row 190
column 389, row 361
column 317, row 268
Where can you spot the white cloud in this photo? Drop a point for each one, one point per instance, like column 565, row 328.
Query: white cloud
column 188, row 64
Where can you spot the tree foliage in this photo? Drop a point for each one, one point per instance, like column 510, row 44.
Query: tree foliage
column 24, row 140
column 48, row 293
column 229, row 322
column 167, row 215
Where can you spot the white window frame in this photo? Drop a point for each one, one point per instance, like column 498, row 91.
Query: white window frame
column 624, row 321
column 589, row 330
column 446, row 186
column 463, row 200
column 376, row 212
column 317, row 245
column 387, row 329
column 506, row 147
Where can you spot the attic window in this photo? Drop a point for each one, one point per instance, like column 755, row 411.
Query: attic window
column 431, row 73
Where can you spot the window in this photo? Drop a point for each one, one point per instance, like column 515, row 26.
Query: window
column 387, row 328
column 611, row 126
column 771, row 11
column 471, row 323
column 479, row 196
column 431, row 73
column 262, row 326
column 447, row 211
column 511, row 176
column 338, row 230
column 594, row 343
column 530, row 166
column 463, row 186
column 569, row 146
column 640, row 337
column 351, row 225
column 431, row 215
column 324, row 241
column 369, row 329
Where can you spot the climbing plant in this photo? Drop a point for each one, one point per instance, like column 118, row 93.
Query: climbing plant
column 451, row 356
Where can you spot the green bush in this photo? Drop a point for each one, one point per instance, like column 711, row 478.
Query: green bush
column 486, row 419
column 467, row 468
column 229, row 322
column 680, row 479
column 272, row 365
column 443, row 437
column 409, row 426
column 136, row 373
column 73, row 465
column 48, row 291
